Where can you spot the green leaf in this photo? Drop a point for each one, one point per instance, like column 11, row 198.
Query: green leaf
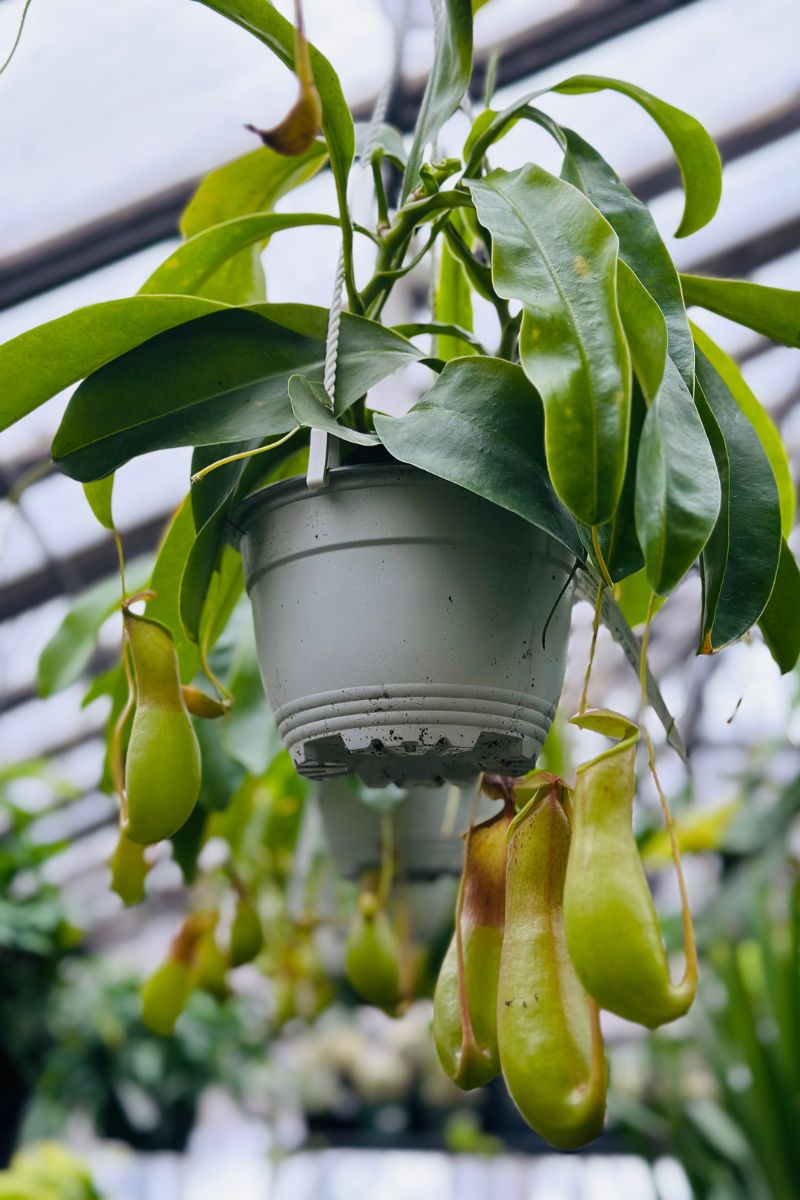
column 779, row 622
column 308, row 400
column 42, row 362
column 645, row 330
column 640, row 244
column 452, row 302
column 447, row 83
column 250, row 184
column 767, row 433
column 165, row 581
column 481, row 426
column 189, row 268
column 220, row 379
column 249, row 734
column 99, row 495
column 554, row 252
column 740, row 559
column 633, row 595
column 614, row 620
column 204, row 555
column 69, row 650
column 774, row 312
column 386, row 138
column 697, row 155
column 677, row 485
column 270, row 27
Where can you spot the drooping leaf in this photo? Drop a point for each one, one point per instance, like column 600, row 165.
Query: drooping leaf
column 779, row 621
column 209, row 543
column 308, row 400
column 640, row 244
column 740, row 559
column 447, row 83
column 616, row 624
column 70, row 649
column 250, row 184
column 387, row 138
column 476, row 406
column 774, row 312
column 645, row 330
column 42, row 362
column 555, row 253
column 221, row 379
column 677, row 485
column 695, row 151
column 270, row 27
column 99, row 495
column 189, row 268
column 767, row 432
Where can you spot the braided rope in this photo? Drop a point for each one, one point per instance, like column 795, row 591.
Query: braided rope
column 337, row 300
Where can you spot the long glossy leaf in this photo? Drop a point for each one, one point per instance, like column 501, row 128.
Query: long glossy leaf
column 775, row 312
column 640, row 244
column 555, row 253
column 250, row 184
column 779, row 621
column 268, row 25
column 221, row 379
column 189, row 268
column 447, row 83
column 677, row 485
column 697, row 155
column 481, row 426
column 645, row 330
column 42, row 362
column 740, row 560
column 767, row 432
column 614, row 620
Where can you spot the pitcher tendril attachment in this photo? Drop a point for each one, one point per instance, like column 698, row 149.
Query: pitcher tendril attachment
column 231, row 458
column 598, row 608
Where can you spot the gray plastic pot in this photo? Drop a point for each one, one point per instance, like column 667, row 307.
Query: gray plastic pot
column 399, row 624
column 427, row 828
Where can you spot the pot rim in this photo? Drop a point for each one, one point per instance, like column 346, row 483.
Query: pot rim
column 275, row 495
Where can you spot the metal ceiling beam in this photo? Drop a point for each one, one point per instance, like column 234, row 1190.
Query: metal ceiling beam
column 90, row 564
column 102, row 242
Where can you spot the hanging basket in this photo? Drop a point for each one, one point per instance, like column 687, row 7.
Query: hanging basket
column 399, row 625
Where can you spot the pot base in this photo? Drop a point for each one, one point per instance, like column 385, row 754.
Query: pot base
column 405, row 734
